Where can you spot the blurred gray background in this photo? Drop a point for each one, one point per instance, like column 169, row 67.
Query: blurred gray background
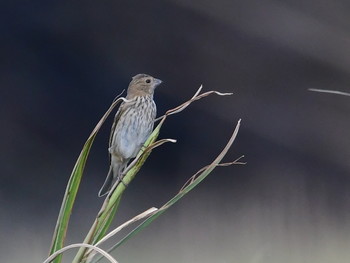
column 63, row 62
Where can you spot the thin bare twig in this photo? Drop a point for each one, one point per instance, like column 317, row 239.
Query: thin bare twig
column 331, row 92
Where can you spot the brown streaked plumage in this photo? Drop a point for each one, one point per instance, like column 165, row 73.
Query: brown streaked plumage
column 133, row 123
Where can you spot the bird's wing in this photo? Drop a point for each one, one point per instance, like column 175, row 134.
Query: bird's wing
column 116, row 119
column 122, row 108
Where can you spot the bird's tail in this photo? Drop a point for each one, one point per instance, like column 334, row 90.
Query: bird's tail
column 114, row 174
column 107, row 184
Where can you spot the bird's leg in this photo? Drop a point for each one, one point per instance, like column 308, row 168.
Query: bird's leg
column 120, row 179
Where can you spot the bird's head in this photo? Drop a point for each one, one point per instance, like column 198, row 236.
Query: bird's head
column 142, row 85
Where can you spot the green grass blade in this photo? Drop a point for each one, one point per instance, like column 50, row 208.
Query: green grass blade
column 72, row 189
column 107, row 222
column 68, row 200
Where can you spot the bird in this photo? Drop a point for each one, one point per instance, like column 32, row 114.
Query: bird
column 133, row 124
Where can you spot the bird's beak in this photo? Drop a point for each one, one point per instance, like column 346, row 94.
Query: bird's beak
column 157, row 82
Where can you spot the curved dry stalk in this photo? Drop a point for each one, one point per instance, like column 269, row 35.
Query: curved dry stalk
column 195, row 97
column 99, row 250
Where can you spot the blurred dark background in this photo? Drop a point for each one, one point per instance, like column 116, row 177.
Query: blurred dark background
column 63, row 62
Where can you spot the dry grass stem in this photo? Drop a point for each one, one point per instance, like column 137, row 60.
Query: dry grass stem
column 97, row 249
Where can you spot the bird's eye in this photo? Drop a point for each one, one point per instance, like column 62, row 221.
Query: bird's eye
column 148, row 81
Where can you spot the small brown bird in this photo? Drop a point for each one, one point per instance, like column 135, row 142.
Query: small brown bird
column 133, row 124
